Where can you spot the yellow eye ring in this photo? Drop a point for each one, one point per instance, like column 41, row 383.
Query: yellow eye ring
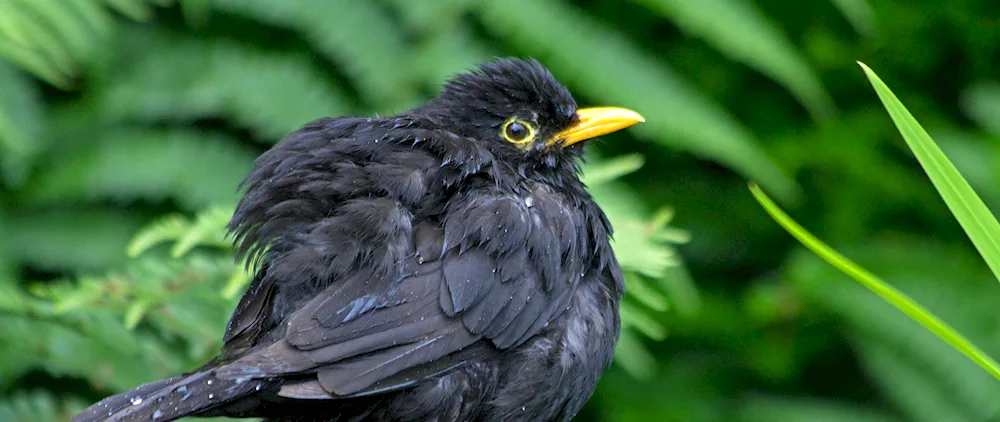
column 518, row 132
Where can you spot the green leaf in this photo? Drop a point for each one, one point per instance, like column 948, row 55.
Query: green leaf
column 781, row 409
column 135, row 312
column 196, row 11
column 270, row 93
column 640, row 290
column 981, row 102
column 26, row 27
column 135, row 9
column 894, row 297
column 209, row 228
column 603, row 65
column 67, row 26
column 859, row 13
column 33, row 61
column 633, row 317
column 612, row 169
column 361, row 28
column 194, row 168
column 970, row 211
column 632, row 356
column 171, row 227
column 741, row 31
column 680, row 288
column 37, row 405
column 20, row 123
column 237, row 282
column 69, row 239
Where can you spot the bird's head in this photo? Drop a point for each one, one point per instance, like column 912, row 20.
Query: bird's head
column 518, row 110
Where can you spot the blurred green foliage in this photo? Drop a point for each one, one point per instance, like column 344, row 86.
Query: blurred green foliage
column 126, row 125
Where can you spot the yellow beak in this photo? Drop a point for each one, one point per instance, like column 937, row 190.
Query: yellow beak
column 594, row 122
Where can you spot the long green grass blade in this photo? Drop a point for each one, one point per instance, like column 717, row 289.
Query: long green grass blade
column 870, row 281
column 970, row 211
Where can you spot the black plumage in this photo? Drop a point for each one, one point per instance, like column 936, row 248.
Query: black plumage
column 443, row 264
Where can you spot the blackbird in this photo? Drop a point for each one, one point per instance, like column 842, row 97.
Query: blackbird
column 442, row 264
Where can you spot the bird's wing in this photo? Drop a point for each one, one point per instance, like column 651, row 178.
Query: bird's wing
column 369, row 334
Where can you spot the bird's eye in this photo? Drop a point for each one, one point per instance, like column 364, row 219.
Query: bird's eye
column 517, row 132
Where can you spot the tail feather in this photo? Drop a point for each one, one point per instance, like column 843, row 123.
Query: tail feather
column 170, row 399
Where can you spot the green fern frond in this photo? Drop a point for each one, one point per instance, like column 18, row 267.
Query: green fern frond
column 445, row 44
column 860, row 14
column 269, row 93
column 633, row 356
column 20, row 123
column 981, row 102
column 781, row 409
column 209, row 228
column 195, row 168
column 741, row 31
column 362, row 27
column 643, row 245
column 50, row 38
column 171, row 227
column 64, row 239
column 38, row 405
column 604, row 66
column 453, row 50
column 82, row 329
column 612, row 169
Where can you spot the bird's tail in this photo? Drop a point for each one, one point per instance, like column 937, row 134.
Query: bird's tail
column 173, row 398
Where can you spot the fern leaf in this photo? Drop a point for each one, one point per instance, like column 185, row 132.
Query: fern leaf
column 23, row 26
column 780, row 409
column 20, row 123
column 612, row 169
column 195, row 11
column 49, row 38
column 452, row 50
column 82, row 329
column 362, row 28
column 209, row 228
column 136, row 10
column 431, row 16
column 633, row 356
column 67, row 27
column 37, row 405
column 194, row 168
column 32, row 60
column 981, row 102
column 237, row 282
column 603, row 65
column 859, row 13
column 69, row 239
column 94, row 16
column 171, row 227
column 641, row 321
column 640, row 290
column 741, row 31
column 269, row 93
